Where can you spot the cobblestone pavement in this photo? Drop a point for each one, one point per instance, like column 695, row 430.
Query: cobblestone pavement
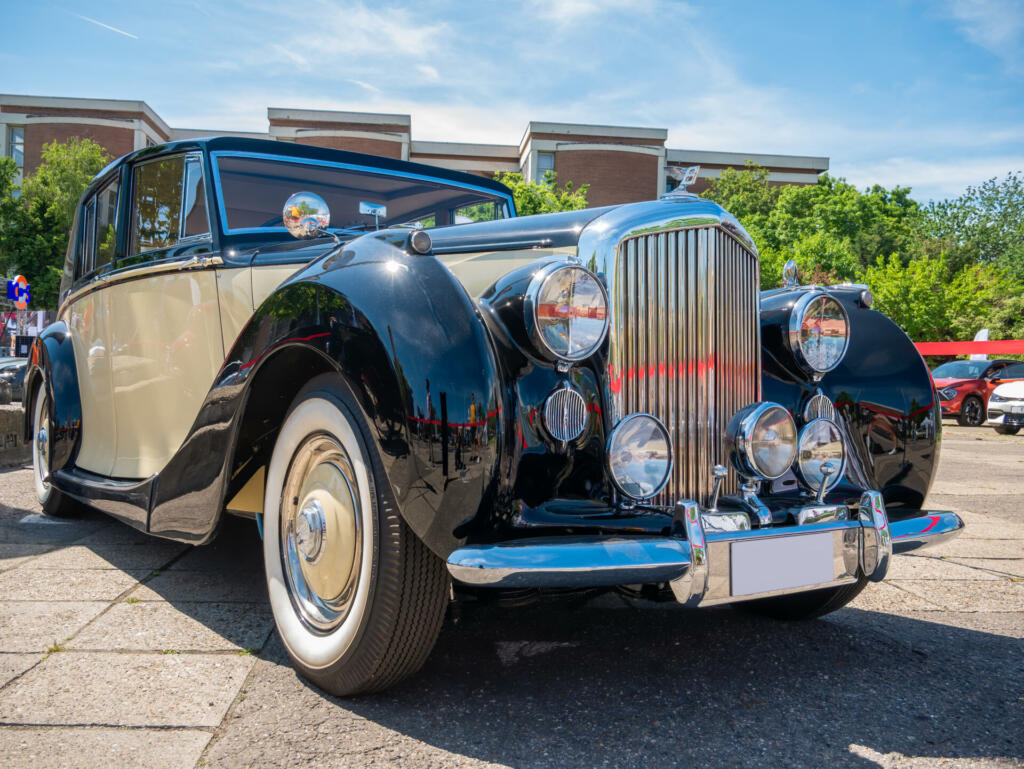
column 119, row 650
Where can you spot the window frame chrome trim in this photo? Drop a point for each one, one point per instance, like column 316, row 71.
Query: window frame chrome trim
column 191, row 239
column 216, row 155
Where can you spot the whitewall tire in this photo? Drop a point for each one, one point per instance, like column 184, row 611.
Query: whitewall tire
column 342, row 567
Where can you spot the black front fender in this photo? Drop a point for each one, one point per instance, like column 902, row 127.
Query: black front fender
column 52, row 365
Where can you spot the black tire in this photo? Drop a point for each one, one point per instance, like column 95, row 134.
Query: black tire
column 804, row 606
column 1007, row 430
column 972, row 412
column 53, row 502
column 386, row 612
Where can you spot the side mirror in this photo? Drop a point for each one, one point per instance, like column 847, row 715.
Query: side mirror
column 306, row 215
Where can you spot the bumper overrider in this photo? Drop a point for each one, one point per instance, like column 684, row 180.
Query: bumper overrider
column 704, row 564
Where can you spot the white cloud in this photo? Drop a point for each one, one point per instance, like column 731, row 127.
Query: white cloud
column 995, row 25
column 106, row 26
column 430, row 73
column 566, row 12
column 364, row 85
column 930, row 180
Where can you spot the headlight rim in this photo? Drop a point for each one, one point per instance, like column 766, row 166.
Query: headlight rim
column 796, row 321
column 531, row 306
column 742, row 452
column 840, row 472
column 608, row 455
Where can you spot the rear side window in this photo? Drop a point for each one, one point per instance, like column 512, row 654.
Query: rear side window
column 1016, row 371
column 106, row 224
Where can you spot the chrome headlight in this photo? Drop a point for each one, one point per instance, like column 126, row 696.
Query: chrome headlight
column 819, row 331
column 639, row 456
column 566, row 312
column 948, row 393
column 763, row 437
column 821, row 441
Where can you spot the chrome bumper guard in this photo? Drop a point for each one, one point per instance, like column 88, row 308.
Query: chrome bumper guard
column 699, row 564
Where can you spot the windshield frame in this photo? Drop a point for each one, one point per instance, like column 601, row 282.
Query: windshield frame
column 222, row 211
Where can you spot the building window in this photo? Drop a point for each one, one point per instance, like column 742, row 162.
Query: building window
column 16, row 147
column 545, row 163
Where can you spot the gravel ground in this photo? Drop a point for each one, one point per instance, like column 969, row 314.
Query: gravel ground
column 121, row 650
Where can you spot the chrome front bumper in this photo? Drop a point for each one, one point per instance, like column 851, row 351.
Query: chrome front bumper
column 698, row 564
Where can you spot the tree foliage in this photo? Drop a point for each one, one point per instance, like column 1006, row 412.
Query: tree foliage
column 941, row 271
column 34, row 226
column 545, row 196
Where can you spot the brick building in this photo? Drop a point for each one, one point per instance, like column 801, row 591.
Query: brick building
column 621, row 164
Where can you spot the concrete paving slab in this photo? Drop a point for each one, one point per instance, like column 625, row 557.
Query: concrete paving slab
column 886, row 597
column 83, row 585
column 13, row 532
column 979, row 548
column 158, row 626
column 97, row 688
column 101, row 556
column 35, row 626
column 118, row 534
column 74, row 748
column 185, row 586
column 968, row 596
column 12, row 555
column 926, row 567
column 988, row 530
column 1011, row 566
column 12, row 665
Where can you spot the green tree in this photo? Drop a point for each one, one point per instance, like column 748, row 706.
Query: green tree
column 34, row 227
column 985, row 224
column 747, row 195
column 545, row 196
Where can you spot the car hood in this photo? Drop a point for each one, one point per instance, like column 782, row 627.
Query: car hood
column 942, row 381
column 1010, row 390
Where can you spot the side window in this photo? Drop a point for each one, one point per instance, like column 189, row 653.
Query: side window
column 196, row 223
column 1016, row 371
column 105, row 237
column 87, row 243
column 481, row 212
column 156, row 203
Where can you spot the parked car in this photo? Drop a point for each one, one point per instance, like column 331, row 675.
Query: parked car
column 1006, row 403
column 5, row 393
column 13, row 373
column 964, row 387
column 590, row 399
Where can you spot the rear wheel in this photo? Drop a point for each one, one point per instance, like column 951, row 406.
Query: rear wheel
column 1007, row 429
column 972, row 412
column 52, row 501
column 802, row 606
column 358, row 599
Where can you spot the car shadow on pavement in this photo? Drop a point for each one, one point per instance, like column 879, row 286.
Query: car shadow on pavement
column 617, row 683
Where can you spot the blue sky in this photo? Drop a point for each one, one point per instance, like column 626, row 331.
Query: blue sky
column 926, row 94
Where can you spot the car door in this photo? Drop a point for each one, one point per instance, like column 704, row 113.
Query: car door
column 163, row 330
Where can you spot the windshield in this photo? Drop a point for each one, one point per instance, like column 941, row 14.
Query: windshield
column 961, row 369
column 254, row 191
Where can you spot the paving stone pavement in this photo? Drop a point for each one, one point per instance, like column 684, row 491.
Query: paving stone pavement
column 118, row 650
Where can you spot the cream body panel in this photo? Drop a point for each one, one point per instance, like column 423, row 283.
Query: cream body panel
column 234, row 290
column 479, row 270
column 265, row 278
column 166, row 348
column 87, row 319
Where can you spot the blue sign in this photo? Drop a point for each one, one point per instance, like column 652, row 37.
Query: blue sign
column 18, row 291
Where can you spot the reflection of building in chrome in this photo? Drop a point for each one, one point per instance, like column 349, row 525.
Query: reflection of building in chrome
column 622, row 164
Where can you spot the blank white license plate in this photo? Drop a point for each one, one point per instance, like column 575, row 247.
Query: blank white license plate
column 782, row 563
column 1017, row 409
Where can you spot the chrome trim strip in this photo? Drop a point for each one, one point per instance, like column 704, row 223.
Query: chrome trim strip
column 216, row 155
column 133, row 273
column 571, row 562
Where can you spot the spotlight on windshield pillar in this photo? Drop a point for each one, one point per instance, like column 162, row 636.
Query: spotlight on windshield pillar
column 419, row 241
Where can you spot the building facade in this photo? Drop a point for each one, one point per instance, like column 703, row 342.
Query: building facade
column 621, row 164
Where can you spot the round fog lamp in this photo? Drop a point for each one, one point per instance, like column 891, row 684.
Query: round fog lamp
column 819, row 331
column 763, row 437
column 639, row 456
column 566, row 311
column 821, row 441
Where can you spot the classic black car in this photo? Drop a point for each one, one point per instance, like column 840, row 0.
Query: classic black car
column 596, row 398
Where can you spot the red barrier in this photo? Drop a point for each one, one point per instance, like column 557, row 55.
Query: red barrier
column 1004, row 347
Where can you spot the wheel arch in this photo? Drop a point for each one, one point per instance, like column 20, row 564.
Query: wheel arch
column 52, row 365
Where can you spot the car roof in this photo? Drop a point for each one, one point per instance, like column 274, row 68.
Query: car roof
column 307, row 151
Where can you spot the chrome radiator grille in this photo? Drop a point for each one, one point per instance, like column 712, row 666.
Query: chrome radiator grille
column 684, row 345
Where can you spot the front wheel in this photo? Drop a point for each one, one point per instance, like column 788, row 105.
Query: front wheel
column 972, row 412
column 51, row 500
column 1007, row 429
column 802, row 606
column 357, row 598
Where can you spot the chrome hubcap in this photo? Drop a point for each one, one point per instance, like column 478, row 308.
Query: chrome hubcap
column 40, row 447
column 321, row 532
